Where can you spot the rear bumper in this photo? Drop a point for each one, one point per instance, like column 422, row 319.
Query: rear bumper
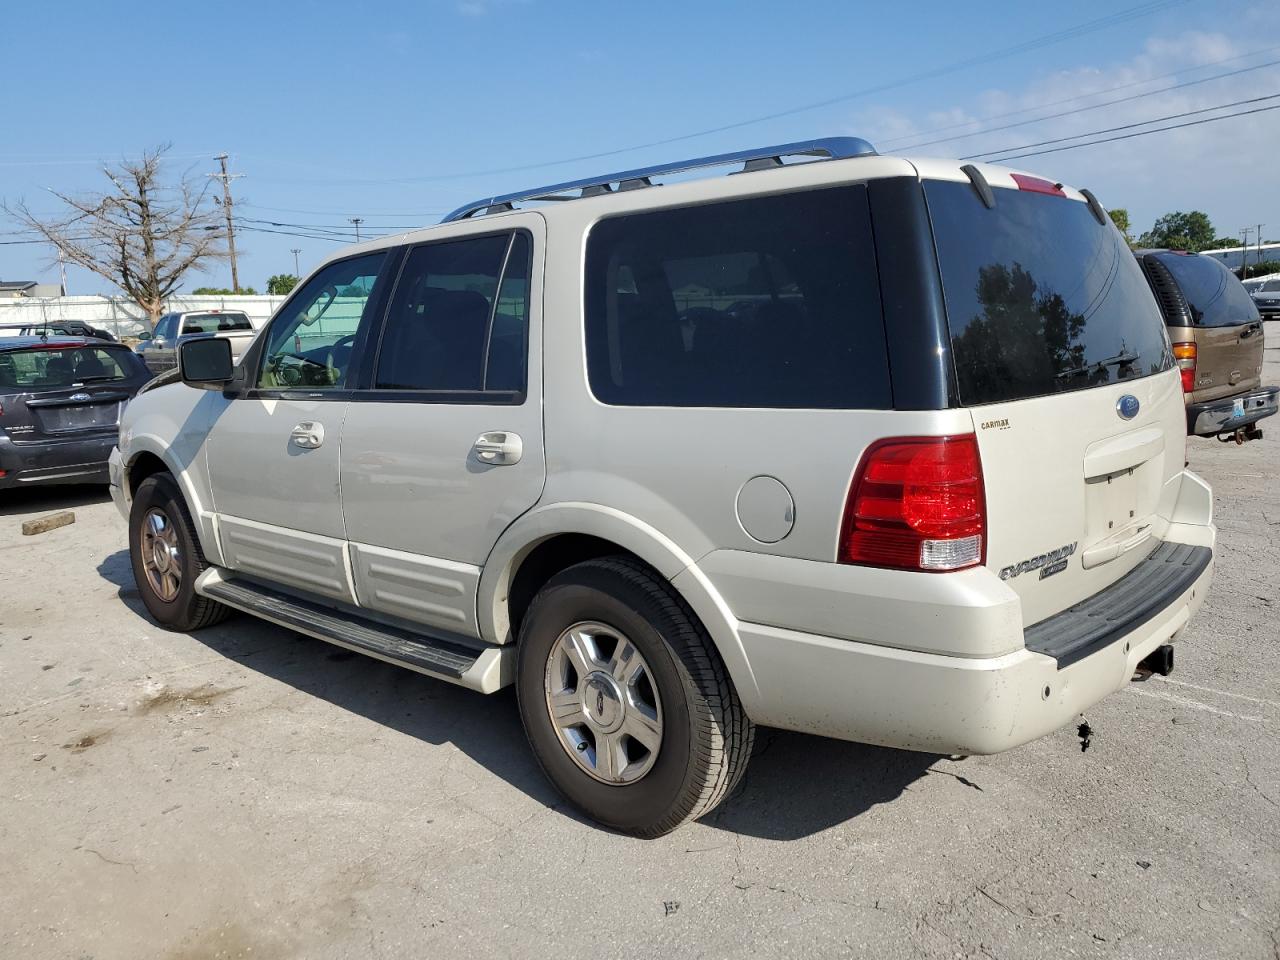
column 65, row 460
column 940, row 704
column 999, row 685
column 1231, row 413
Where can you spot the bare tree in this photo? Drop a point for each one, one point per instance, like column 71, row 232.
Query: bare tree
column 143, row 235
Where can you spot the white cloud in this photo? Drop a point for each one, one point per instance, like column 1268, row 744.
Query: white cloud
column 1215, row 167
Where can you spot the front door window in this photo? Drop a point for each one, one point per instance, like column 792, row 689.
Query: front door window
column 311, row 341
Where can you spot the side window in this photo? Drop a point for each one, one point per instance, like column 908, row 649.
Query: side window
column 458, row 321
column 760, row 302
column 311, row 340
column 164, row 329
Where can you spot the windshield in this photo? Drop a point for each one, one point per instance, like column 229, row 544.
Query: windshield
column 53, row 367
column 1215, row 296
column 1041, row 298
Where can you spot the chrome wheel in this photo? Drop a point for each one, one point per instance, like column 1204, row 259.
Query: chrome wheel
column 603, row 703
column 161, row 557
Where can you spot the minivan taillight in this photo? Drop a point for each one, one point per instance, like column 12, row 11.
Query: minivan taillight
column 1186, row 357
column 916, row 503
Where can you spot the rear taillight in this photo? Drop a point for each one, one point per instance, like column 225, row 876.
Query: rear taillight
column 1185, row 353
column 916, row 503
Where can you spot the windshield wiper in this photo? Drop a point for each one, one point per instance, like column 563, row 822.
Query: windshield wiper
column 96, row 379
column 1119, row 360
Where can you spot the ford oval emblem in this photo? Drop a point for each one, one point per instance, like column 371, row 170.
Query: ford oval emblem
column 79, row 397
column 1127, row 406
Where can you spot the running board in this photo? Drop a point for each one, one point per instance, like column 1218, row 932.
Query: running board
column 485, row 670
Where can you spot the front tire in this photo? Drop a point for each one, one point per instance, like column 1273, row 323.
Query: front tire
column 627, row 705
column 166, row 557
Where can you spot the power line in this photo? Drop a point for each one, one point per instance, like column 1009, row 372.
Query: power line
column 1087, row 107
column 1126, row 126
column 1140, row 133
column 1071, row 99
column 1035, row 43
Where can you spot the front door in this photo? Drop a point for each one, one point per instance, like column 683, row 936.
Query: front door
column 444, row 448
column 274, row 450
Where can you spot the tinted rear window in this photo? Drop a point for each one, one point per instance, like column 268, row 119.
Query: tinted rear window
column 1041, row 298
column 212, row 322
column 1215, row 296
column 763, row 302
column 47, row 367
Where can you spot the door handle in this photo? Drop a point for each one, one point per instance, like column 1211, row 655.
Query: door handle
column 308, row 435
column 498, row 448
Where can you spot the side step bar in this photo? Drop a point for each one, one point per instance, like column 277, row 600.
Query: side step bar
column 485, row 670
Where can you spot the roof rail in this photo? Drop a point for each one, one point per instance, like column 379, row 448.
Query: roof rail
column 761, row 158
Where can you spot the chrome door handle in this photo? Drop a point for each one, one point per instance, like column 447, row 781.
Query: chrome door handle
column 308, row 435
column 498, row 448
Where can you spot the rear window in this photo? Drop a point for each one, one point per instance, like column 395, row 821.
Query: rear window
column 1215, row 296
column 763, row 302
column 215, row 322
column 48, row 367
column 1041, row 298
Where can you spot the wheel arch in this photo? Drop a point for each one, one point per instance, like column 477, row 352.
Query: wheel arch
column 147, row 457
column 549, row 539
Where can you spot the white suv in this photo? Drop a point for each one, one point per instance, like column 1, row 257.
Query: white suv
column 873, row 448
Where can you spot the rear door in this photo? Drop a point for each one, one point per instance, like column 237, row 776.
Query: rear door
column 1062, row 358
column 1225, row 325
column 442, row 446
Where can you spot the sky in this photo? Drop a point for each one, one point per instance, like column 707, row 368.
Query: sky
column 401, row 111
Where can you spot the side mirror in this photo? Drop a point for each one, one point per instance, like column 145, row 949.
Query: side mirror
column 206, row 363
column 145, row 335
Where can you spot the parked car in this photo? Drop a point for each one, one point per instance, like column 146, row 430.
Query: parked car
column 55, row 328
column 1266, row 297
column 1218, row 340
column 60, row 402
column 159, row 349
column 928, row 492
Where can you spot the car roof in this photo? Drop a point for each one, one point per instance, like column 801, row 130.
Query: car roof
column 750, row 181
column 19, row 343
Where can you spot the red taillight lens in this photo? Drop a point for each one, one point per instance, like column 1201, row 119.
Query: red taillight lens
column 917, row 503
column 1186, row 357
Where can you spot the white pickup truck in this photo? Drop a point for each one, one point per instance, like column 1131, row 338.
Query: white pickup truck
column 159, row 350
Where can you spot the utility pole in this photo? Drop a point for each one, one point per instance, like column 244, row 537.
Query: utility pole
column 357, row 221
column 62, row 269
column 1260, row 226
column 226, row 179
column 296, row 251
column 1244, row 252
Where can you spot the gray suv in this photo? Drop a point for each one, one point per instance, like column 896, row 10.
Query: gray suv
column 861, row 446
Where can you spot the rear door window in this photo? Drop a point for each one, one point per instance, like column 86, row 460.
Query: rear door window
column 762, row 302
column 458, row 321
column 1040, row 297
column 1215, row 296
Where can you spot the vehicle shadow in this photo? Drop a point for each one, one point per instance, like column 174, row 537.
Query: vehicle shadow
column 25, row 501
column 795, row 786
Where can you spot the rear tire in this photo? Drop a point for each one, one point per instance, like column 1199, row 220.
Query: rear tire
column 166, row 557
column 648, row 731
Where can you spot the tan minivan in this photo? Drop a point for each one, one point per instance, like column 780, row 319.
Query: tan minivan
column 1217, row 339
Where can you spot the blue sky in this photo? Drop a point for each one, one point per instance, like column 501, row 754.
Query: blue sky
column 395, row 112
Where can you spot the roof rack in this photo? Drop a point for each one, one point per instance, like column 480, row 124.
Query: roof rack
column 761, row 158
